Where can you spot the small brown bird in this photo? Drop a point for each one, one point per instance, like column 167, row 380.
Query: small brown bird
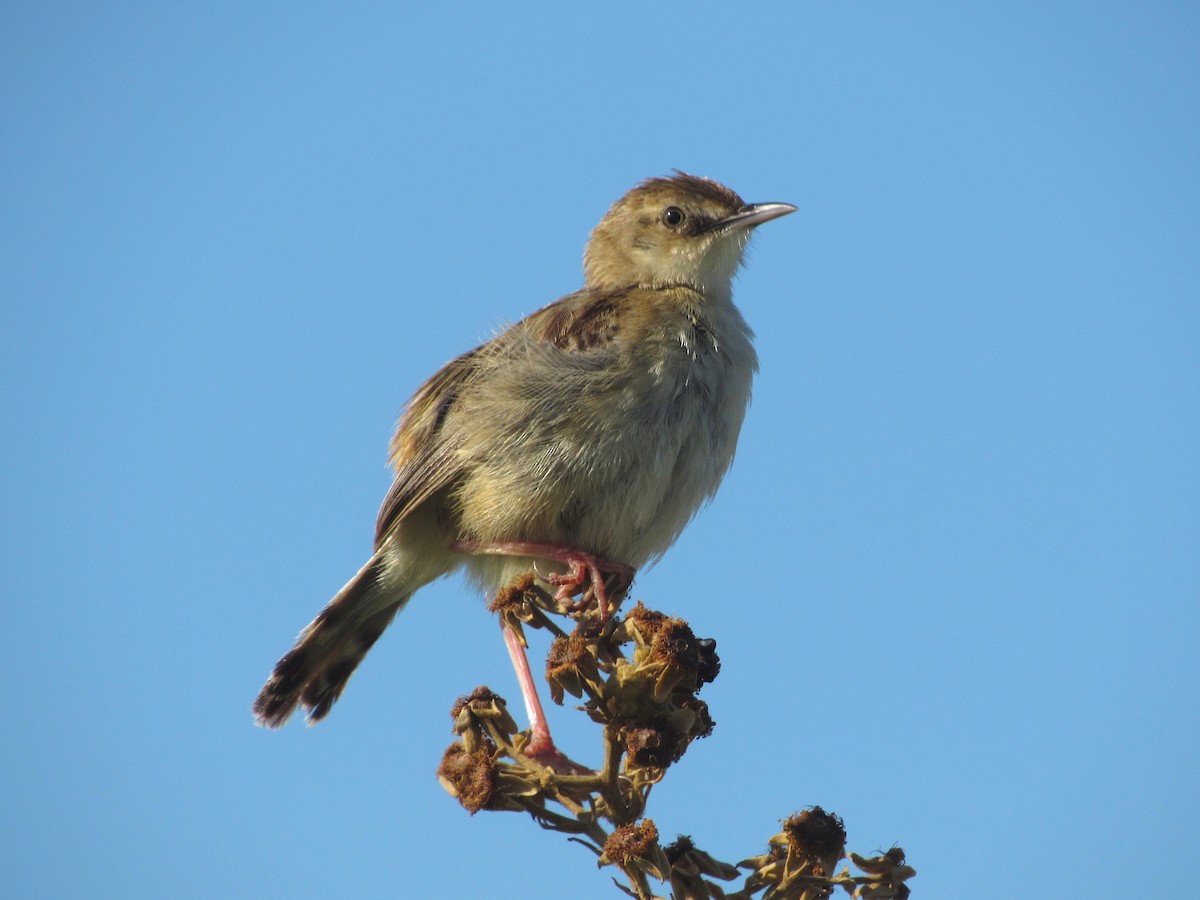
column 580, row 440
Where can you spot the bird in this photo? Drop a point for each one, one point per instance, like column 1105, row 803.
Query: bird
column 576, row 443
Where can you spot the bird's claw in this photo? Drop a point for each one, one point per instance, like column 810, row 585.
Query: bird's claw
column 589, row 577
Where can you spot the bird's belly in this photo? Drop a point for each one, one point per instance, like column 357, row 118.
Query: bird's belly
column 622, row 488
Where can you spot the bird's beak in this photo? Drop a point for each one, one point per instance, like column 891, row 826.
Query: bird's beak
column 753, row 214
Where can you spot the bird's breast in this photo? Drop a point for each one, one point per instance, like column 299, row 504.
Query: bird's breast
column 613, row 452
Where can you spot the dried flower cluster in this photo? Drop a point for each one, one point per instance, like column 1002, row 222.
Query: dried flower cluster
column 637, row 677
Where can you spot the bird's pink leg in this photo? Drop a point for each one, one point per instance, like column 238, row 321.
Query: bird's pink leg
column 541, row 744
column 584, row 568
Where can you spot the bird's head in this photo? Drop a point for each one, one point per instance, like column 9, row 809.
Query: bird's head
column 679, row 230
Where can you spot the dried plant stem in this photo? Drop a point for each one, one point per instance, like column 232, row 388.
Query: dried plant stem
column 638, row 678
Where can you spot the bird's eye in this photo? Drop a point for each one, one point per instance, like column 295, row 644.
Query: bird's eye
column 672, row 216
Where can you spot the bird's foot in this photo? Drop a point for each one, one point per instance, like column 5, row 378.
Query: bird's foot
column 588, row 576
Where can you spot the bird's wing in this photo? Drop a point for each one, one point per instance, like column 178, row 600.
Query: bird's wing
column 425, row 459
column 579, row 322
column 424, row 463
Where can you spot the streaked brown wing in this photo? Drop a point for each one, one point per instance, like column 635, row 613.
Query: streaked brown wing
column 582, row 321
column 425, row 462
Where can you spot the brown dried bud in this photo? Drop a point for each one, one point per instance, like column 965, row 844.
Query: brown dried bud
column 816, row 837
column 674, row 649
column 668, row 651
column 520, row 602
column 471, row 777
column 480, row 780
column 654, row 744
column 482, row 705
column 702, row 724
column 643, row 622
column 634, row 848
column 570, row 666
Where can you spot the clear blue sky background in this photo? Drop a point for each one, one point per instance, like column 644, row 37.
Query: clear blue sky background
column 953, row 574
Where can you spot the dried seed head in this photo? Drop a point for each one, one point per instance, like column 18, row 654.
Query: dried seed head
column 643, row 621
column 469, row 776
column 479, row 708
column 521, row 602
column 570, row 665
column 816, row 837
column 654, row 745
column 634, row 848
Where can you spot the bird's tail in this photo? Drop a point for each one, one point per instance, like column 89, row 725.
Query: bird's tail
column 314, row 672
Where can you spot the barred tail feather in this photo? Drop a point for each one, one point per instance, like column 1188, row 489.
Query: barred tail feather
column 314, row 672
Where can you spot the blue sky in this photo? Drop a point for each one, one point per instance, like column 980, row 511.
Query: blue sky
column 954, row 573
